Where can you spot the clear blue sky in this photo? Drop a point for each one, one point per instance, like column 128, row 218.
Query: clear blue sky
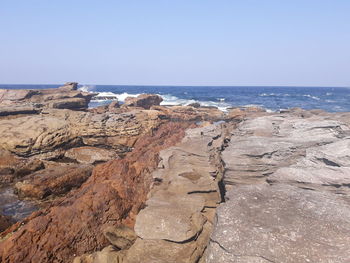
column 180, row 42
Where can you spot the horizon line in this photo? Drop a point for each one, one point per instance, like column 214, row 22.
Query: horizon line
column 167, row 85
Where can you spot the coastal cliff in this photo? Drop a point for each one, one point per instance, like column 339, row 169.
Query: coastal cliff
column 140, row 182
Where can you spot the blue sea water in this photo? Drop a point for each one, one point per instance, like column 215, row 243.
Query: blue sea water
column 333, row 99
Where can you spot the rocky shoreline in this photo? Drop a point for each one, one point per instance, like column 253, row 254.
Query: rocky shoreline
column 140, row 182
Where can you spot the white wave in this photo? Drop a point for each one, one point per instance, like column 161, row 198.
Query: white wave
column 175, row 101
column 221, row 99
column 87, row 88
column 124, row 95
column 329, row 94
column 267, row 94
column 312, row 97
column 102, row 96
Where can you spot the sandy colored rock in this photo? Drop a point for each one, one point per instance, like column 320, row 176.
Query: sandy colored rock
column 122, row 237
column 90, row 155
column 145, row 101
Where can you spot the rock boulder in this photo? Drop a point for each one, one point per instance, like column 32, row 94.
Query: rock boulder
column 145, row 101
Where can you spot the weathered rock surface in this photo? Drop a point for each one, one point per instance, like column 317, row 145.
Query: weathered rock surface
column 176, row 223
column 56, row 130
column 145, row 101
column 288, row 191
column 53, row 181
column 90, row 155
column 33, row 101
column 74, row 225
column 5, row 222
column 12, row 167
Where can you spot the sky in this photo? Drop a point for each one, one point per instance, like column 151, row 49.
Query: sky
column 182, row 42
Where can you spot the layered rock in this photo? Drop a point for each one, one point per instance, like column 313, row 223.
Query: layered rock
column 12, row 167
column 145, row 101
column 51, row 133
column 177, row 219
column 13, row 102
column 113, row 195
column 53, row 181
column 288, row 190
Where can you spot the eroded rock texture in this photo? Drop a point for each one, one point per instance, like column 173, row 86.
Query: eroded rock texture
column 113, row 195
column 176, row 222
column 288, row 197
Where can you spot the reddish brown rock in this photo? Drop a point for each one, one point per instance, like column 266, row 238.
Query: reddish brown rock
column 112, row 195
column 12, row 166
column 145, row 101
column 5, row 222
column 54, row 181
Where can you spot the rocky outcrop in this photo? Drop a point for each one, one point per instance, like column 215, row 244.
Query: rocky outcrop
column 113, row 195
column 53, row 181
column 287, row 182
column 51, row 133
column 177, row 219
column 12, row 167
column 145, row 101
column 15, row 102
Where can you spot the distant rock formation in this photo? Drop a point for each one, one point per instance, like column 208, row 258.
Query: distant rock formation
column 145, row 101
column 14, row 101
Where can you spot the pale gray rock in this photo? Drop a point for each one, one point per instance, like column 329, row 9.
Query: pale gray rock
column 288, row 200
column 281, row 223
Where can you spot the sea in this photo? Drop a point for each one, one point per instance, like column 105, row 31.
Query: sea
column 274, row 98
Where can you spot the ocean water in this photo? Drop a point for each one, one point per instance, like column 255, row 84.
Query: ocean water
column 333, row 99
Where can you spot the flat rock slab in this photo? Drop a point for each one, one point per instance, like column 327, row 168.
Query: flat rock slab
column 281, row 223
column 90, row 155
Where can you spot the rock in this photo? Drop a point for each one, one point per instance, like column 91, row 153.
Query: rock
column 121, row 237
column 69, row 86
column 54, row 181
column 113, row 195
column 113, row 105
column 5, row 222
column 194, row 105
column 10, row 95
column 144, row 101
column 287, row 194
column 33, row 101
column 12, row 167
column 107, row 255
column 51, row 133
column 19, row 109
column 176, row 222
column 90, row 155
column 69, row 103
column 281, row 223
column 189, row 113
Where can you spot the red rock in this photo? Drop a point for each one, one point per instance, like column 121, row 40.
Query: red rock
column 74, row 225
column 54, row 181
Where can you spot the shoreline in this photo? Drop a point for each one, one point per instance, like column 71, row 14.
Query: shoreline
column 136, row 181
